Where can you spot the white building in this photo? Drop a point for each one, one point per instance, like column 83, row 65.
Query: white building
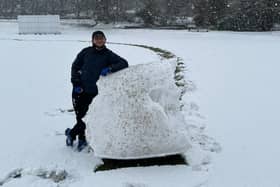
column 39, row 24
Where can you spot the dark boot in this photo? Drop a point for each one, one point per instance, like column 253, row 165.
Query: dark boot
column 82, row 143
column 69, row 138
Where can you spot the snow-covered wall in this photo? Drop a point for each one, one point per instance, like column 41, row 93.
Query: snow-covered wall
column 39, row 24
column 137, row 114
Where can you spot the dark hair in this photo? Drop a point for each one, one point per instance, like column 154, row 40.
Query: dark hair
column 95, row 33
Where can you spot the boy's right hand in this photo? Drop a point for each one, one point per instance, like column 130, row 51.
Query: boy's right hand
column 78, row 89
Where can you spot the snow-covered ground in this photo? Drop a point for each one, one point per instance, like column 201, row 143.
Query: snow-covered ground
column 237, row 101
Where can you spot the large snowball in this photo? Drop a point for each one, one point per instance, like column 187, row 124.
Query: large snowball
column 137, row 114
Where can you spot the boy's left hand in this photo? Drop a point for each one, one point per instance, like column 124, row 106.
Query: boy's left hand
column 105, row 71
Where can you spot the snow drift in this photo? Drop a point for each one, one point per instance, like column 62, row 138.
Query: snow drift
column 137, row 114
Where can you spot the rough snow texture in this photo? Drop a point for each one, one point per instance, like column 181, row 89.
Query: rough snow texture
column 144, row 118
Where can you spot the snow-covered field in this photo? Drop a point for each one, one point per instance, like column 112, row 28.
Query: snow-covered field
column 236, row 100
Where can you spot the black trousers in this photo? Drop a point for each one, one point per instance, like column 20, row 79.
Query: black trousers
column 81, row 104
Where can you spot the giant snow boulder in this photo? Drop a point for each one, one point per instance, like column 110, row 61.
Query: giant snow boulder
column 137, row 114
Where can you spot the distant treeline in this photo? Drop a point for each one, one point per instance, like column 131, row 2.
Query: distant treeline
column 238, row 15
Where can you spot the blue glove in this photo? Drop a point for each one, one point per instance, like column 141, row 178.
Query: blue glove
column 105, row 71
column 78, row 89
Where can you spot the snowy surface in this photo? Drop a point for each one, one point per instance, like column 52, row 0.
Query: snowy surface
column 236, row 103
column 143, row 118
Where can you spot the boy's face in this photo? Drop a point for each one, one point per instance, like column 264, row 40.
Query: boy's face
column 99, row 40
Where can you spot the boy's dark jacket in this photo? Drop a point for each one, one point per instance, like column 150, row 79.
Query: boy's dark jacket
column 88, row 65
